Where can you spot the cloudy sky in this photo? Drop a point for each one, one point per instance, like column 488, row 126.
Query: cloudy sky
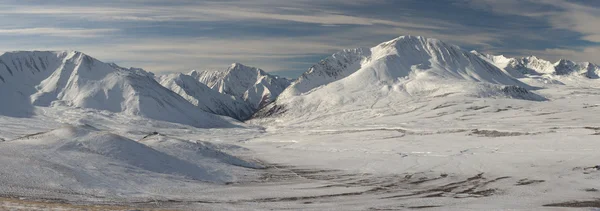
column 287, row 37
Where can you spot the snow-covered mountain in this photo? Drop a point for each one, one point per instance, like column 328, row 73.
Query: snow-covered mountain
column 408, row 67
column 250, row 84
column 531, row 65
column 70, row 78
column 205, row 98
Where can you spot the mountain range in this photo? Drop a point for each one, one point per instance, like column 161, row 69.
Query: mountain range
column 389, row 74
column 532, row 65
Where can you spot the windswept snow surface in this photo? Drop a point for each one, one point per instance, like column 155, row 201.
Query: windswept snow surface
column 86, row 163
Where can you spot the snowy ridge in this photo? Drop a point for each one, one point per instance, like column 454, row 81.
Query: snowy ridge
column 85, row 160
column 204, row 97
column 587, row 69
column 250, row 84
column 408, row 67
column 531, row 65
column 338, row 66
column 73, row 79
column 208, row 77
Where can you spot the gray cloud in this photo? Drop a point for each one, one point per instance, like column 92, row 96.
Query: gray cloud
column 58, row 32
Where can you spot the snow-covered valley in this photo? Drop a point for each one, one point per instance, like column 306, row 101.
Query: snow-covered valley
column 413, row 123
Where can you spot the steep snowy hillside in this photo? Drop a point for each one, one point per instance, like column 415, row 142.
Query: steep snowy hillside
column 77, row 80
column 205, row 98
column 250, row 84
column 393, row 72
column 533, row 66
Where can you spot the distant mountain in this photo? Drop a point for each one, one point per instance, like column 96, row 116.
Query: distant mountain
column 408, row 67
column 531, row 65
column 250, row 84
column 387, row 75
column 205, row 98
column 70, row 78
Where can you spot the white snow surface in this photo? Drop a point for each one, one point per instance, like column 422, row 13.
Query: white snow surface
column 253, row 85
column 83, row 160
column 73, row 79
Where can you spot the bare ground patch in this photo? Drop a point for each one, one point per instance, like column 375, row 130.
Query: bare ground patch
column 528, row 182
column 496, row 133
column 576, row 204
column 7, row 203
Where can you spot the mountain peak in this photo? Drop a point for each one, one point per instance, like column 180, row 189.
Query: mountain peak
column 250, row 84
column 408, row 40
column 533, row 57
column 194, row 73
column 237, row 65
column 409, row 37
column 241, row 66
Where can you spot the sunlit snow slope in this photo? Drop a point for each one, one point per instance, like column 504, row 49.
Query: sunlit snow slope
column 70, row 78
column 388, row 74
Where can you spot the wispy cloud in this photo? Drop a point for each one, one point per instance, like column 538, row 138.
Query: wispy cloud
column 561, row 15
column 207, row 12
column 579, row 18
column 58, row 32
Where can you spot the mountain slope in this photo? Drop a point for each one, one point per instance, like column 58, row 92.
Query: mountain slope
column 531, row 65
column 250, row 84
column 391, row 73
column 90, row 162
column 400, row 58
column 204, row 97
column 78, row 80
